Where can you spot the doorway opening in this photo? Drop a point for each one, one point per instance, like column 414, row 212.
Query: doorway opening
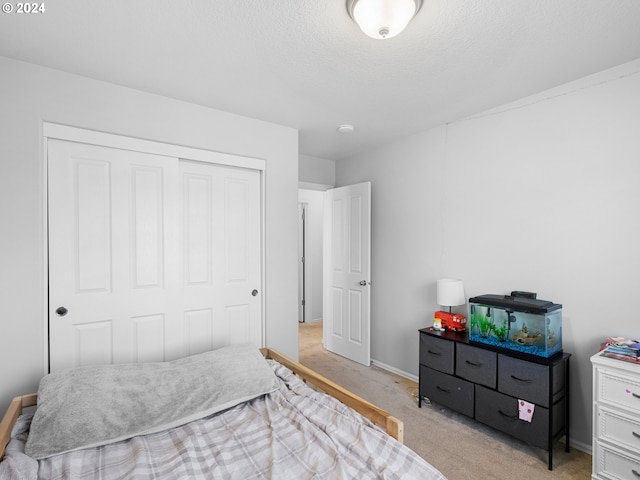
column 310, row 258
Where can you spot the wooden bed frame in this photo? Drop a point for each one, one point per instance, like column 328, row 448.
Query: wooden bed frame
column 390, row 424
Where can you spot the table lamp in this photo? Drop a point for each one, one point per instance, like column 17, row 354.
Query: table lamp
column 450, row 293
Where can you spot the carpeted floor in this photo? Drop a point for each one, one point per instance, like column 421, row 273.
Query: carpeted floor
column 459, row 447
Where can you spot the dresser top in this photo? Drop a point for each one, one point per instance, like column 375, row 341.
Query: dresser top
column 599, row 359
column 463, row 337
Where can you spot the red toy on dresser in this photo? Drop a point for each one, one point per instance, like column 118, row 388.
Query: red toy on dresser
column 449, row 321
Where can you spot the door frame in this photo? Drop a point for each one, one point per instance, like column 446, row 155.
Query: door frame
column 302, row 261
column 93, row 137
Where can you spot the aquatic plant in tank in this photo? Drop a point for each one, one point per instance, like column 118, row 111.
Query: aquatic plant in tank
column 484, row 324
column 501, row 331
column 473, row 323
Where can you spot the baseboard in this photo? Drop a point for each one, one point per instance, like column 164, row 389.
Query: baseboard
column 583, row 447
column 391, row 369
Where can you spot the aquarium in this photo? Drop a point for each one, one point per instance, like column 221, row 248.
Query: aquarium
column 518, row 322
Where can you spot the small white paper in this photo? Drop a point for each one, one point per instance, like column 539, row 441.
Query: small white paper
column 525, row 410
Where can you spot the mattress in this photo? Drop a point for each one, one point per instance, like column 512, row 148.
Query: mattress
column 293, row 432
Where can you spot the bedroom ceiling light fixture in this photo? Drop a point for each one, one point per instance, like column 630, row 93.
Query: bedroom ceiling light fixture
column 382, row 19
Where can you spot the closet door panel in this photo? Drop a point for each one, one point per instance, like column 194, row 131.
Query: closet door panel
column 221, row 241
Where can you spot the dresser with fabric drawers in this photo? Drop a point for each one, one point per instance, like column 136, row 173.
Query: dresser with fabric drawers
column 492, row 385
column 616, row 418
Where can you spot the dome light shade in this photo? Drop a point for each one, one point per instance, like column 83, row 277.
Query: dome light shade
column 383, row 19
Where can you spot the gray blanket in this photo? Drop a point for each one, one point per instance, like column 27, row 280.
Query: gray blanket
column 96, row 405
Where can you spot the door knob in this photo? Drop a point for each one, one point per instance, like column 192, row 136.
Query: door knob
column 363, row 283
column 61, row 311
column 254, row 292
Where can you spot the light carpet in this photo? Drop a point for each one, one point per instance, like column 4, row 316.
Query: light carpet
column 459, row 447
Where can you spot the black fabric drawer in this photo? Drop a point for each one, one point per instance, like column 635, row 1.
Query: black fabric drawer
column 525, row 380
column 437, row 353
column 501, row 412
column 451, row 392
column 476, row 365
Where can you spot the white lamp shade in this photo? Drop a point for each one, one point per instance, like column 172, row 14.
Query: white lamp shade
column 451, row 292
column 383, row 18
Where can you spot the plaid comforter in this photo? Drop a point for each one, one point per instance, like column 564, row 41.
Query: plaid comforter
column 292, row 433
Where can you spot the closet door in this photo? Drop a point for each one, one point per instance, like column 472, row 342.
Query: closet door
column 131, row 276
column 221, row 291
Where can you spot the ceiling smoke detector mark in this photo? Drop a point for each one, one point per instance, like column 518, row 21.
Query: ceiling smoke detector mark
column 346, row 129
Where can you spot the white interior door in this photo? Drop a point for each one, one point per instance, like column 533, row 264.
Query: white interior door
column 347, row 271
column 221, row 287
column 142, row 250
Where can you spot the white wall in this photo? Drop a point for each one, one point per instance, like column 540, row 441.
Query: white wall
column 30, row 95
column 540, row 195
column 317, row 170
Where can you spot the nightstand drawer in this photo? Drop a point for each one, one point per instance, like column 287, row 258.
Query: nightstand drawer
column 618, row 390
column 476, row 365
column 611, row 463
column 501, row 412
column 619, row 429
column 451, row 392
column 437, row 353
column 525, row 380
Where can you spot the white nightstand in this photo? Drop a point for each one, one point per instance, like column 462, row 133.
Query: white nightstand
column 616, row 419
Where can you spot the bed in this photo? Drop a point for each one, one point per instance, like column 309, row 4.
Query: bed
column 250, row 415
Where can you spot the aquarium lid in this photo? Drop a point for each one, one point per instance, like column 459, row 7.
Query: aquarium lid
column 517, row 303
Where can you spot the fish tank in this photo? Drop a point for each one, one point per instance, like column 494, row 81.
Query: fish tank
column 519, row 322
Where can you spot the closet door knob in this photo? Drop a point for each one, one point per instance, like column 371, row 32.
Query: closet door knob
column 61, row 311
column 254, row 292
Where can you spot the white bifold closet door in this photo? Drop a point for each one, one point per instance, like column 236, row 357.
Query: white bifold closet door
column 151, row 258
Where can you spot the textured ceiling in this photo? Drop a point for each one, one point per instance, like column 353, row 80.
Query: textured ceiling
column 305, row 64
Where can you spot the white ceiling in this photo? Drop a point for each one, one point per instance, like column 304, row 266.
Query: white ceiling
column 305, row 64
